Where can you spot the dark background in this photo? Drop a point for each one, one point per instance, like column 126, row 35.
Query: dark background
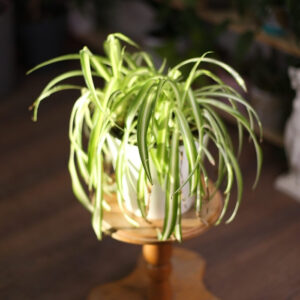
column 47, row 246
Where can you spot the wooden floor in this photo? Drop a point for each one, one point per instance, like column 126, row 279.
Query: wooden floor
column 48, row 249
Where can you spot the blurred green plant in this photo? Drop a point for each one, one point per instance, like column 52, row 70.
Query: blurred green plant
column 183, row 33
column 286, row 12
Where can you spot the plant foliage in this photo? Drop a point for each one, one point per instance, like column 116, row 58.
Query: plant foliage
column 155, row 109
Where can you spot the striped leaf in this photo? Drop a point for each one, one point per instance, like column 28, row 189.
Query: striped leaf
column 87, row 73
column 246, row 125
column 141, row 192
column 190, row 148
column 47, row 94
column 54, row 60
column 172, row 184
column 97, row 215
column 145, row 113
column 163, row 138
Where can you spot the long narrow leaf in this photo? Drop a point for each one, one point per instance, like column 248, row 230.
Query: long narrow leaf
column 54, row 90
column 145, row 113
column 54, row 60
column 76, row 184
column 246, row 125
column 141, row 192
column 172, row 185
column 190, row 148
column 87, row 73
column 98, row 210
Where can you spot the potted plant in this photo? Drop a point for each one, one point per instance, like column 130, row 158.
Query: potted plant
column 153, row 125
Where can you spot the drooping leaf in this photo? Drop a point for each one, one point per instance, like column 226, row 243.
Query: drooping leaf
column 97, row 215
column 172, row 184
column 141, row 192
column 190, row 148
column 54, row 60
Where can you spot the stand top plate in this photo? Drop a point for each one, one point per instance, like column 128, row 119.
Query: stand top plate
column 116, row 225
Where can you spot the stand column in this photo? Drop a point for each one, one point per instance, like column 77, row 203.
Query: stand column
column 157, row 258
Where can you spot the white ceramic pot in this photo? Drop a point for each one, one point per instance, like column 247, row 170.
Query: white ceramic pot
column 157, row 195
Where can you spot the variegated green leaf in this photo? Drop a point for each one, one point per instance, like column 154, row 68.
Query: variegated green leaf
column 246, row 125
column 87, row 74
column 47, row 94
column 141, row 192
column 172, row 185
column 98, row 210
column 145, row 113
column 190, row 148
column 54, row 60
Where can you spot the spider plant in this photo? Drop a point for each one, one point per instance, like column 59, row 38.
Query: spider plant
column 156, row 109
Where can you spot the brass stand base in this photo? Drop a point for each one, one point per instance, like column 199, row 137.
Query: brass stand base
column 186, row 281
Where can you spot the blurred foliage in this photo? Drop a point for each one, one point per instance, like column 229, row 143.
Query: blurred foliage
column 186, row 35
column 287, row 12
column 183, row 33
column 267, row 71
